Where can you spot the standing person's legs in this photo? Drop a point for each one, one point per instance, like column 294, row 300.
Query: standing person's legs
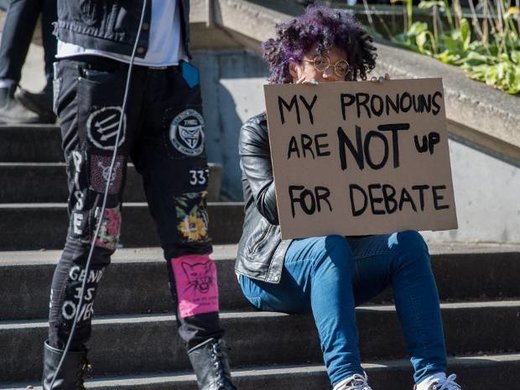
column 171, row 157
column 402, row 259
column 17, row 33
column 49, row 41
column 89, row 100
column 41, row 102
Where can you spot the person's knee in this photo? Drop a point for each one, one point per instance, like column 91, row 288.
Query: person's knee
column 409, row 240
column 337, row 251
column 412, row 249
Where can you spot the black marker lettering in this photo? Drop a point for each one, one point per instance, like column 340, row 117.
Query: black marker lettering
column 395, row 128
column 345, row 103
column 294, row 103
column 357, row 151
column 437, row 197
column 293, row 148
column 368, row 150
column 309, row 106
column 361, row 210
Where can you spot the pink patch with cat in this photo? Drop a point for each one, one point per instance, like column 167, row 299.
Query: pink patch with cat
column 196, row 283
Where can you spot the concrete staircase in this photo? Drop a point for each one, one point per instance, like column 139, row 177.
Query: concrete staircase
column 134, row 343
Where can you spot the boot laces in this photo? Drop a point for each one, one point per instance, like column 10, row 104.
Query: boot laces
column 448, row 384
column 357, row 382
column 218, row 356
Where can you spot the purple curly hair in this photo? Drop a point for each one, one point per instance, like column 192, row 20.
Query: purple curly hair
column 321, row 28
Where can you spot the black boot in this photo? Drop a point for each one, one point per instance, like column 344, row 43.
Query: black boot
column 211, row 366
column 71, row 372
column 12, row 111
column 39, row 102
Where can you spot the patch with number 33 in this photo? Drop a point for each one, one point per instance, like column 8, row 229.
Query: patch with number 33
column 199, row 177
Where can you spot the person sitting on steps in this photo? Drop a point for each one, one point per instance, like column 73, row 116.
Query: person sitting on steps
column 329, row 276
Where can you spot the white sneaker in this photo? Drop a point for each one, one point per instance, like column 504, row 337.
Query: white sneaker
column 434, row 383
column 354, row 382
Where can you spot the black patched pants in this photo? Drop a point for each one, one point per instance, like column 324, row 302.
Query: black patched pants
column 163, row 133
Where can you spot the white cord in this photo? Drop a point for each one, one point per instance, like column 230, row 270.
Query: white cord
column 105, row 197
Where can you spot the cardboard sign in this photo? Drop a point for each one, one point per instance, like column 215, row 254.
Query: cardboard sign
column 356, row 158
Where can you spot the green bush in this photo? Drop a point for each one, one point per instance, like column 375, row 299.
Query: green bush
column 488, row 48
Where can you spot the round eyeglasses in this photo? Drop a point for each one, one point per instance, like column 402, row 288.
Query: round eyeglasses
column 322, row 64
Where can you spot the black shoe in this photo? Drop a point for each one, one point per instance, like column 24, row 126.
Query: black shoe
column 71, row 374
column 12, row 111
column 39, row 102
column 211, row 366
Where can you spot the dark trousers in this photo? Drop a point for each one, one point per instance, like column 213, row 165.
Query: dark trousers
column 163, row 134
column 17, row 33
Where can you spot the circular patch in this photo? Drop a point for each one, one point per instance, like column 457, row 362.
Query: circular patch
column 102, row 127
column 187, row 132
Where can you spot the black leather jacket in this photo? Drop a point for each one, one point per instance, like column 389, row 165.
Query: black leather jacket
column 111, row 25
column 261, row 250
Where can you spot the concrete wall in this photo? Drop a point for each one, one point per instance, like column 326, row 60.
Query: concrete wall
column 232, row 91
column 487, row 196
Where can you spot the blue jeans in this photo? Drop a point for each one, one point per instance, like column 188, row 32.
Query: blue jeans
column 329, row 276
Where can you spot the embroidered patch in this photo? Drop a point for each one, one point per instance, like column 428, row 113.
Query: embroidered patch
column 196, row 284
column 79, row 222
column 102, row 126
column 75, row 166
column 187, row 132
column 110, row 228
column 192, row 217
column 100, row 170
column 77, row 275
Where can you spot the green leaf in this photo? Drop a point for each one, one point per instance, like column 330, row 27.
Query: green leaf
column 417, row 28
column 450, row 43
column 477, row 57
column 515, row 56
column 465, row 33
column 491, row 76
column 431, row 4
column 421, row 40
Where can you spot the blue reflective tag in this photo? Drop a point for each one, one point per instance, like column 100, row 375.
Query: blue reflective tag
column 190, row 74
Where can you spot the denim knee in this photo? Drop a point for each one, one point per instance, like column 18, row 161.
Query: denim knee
column 337, row 251
column 407, row 240
column 411, row 247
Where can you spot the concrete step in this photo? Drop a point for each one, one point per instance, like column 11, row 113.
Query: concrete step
column 124, row 345
column 30, row 143
column 43, row 225
column 47, row 182
column 494, row 274
column 135, row 283
column 473, row 372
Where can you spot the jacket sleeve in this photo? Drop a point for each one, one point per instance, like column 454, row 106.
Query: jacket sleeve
column 255, row 162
